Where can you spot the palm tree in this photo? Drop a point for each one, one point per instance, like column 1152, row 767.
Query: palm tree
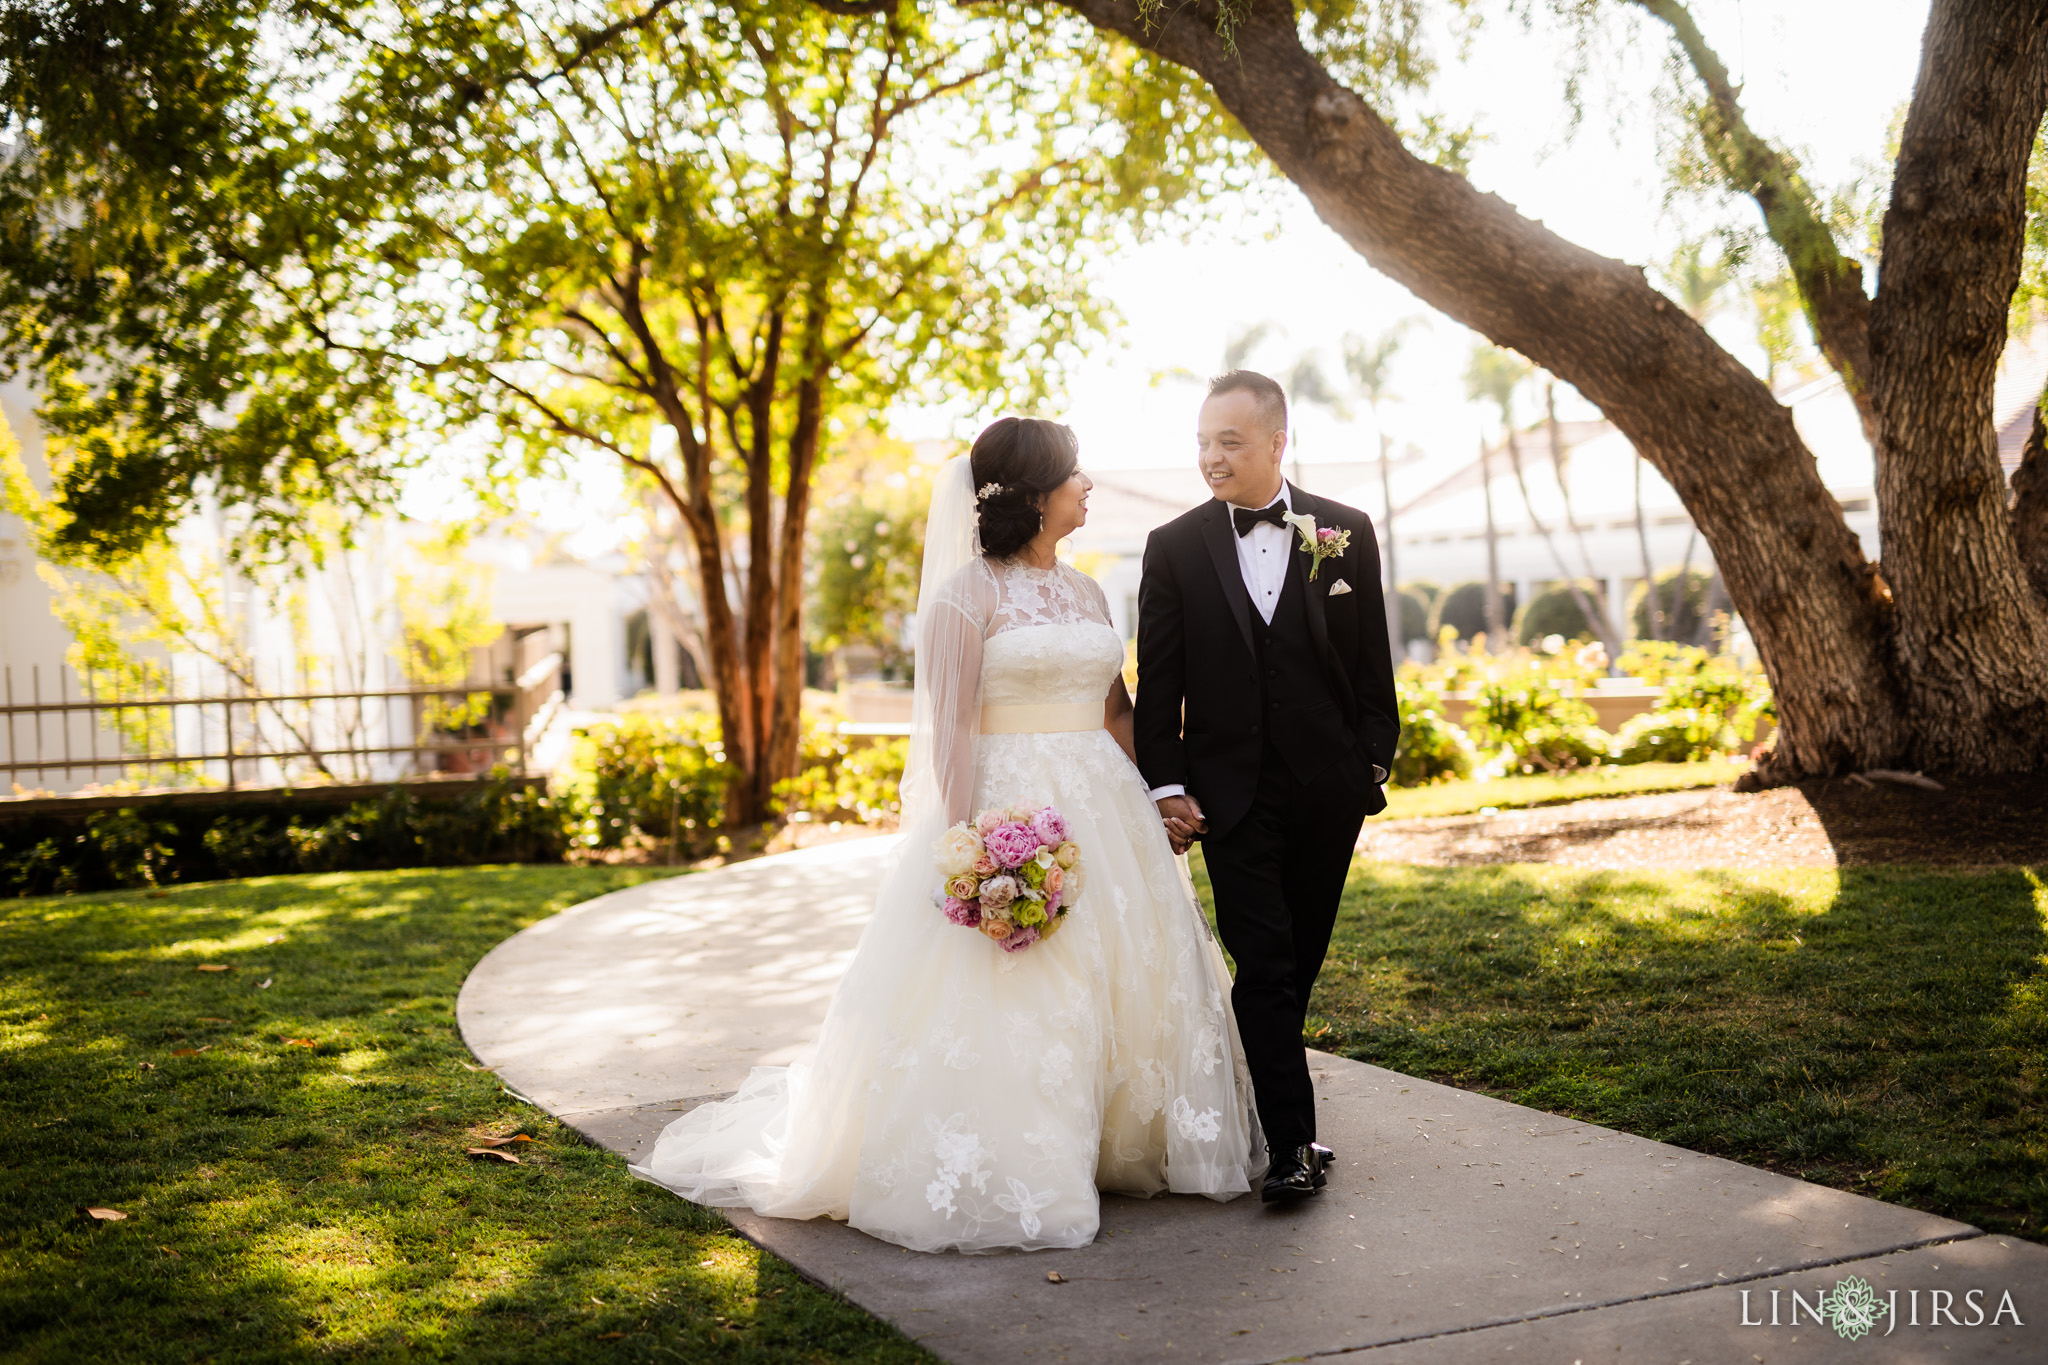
column 1493, row 376
column 1699, row 283
column 1370, row 365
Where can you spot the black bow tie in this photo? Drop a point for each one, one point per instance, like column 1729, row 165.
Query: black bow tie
column 1273, row 514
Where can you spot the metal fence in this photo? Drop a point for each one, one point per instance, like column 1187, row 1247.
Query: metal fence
column 85, row 730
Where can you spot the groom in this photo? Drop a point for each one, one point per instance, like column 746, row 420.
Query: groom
column 1265, row 725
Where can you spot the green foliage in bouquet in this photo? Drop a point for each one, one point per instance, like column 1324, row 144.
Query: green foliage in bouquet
column 658, row 776
column 1432, row 748
column 845, row 778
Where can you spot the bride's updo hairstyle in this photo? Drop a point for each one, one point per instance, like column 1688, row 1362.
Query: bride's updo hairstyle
column 1016, row 462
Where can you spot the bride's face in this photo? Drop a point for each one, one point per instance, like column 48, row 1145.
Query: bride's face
column 1065, row 509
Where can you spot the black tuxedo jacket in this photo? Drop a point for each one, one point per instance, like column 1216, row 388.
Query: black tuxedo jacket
column 1200, row 700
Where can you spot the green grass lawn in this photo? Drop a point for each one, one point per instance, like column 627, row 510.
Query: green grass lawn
column 1878, row 1030
column 1513, row 793
column 288, row 1201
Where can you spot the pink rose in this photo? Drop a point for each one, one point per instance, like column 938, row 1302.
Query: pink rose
column 1050, row 827
column 997, row 929
column 1019, row 941
column 1326, row 533
column 1011, row 845
column 983, row 866
column 989, row 819
column 961, row 912
column 963, row 887
column 1054, row 880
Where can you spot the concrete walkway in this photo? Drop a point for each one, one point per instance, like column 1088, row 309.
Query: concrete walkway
column 1458, row 1228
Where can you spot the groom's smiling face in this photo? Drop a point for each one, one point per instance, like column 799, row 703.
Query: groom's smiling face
column 1239, row 449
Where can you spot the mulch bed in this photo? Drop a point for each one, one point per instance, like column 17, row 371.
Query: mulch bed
column 1833, row 823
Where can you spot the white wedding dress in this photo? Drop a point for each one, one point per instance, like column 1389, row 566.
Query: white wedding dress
column 963, row 1098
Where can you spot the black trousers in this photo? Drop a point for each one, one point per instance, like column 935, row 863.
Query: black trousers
column 1278, row 876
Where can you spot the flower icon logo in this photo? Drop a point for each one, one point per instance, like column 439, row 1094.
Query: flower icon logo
column 1852, row 1309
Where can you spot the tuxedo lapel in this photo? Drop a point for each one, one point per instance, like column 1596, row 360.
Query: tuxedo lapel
column 1221, row 538
column 1318, row 622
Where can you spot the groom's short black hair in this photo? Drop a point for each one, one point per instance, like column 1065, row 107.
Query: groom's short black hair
column 1272, row 399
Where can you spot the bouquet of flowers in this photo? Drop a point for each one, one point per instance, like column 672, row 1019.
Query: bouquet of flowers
column 1011, row 874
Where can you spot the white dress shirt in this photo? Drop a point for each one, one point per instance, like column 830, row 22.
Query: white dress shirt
column 1262, row 555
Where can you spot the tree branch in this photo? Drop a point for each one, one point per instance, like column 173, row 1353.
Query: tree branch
column 1830, row 283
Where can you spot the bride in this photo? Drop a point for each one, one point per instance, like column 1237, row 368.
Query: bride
column 961, row 1097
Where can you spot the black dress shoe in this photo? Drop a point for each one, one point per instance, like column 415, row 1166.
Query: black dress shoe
column 1296, row 1174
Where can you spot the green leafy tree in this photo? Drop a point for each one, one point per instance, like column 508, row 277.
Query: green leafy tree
column 278, row 251
column 868, row 549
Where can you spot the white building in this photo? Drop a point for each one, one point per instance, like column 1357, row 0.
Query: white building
column 1440, row 518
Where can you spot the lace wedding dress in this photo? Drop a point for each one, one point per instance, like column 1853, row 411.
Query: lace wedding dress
column 964, row 1098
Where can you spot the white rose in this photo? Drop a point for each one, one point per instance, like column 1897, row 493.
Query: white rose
column 957, row 849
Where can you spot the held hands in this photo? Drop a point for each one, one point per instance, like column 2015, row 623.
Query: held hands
column 1184, row 820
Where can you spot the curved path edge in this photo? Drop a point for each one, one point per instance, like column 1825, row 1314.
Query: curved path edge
column 1456, row 1228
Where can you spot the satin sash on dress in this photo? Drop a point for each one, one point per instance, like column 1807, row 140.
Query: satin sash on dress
column 1041, row 718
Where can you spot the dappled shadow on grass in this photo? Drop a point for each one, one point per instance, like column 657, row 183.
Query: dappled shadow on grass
column 1876, row 1029
column 297, row 1184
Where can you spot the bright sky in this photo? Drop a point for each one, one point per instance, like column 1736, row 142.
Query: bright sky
column 1823, row 76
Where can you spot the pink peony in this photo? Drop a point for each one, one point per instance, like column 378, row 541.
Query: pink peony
column 1326, row 533
column 998, row 892
column 1050, row 827
column 1019, row 941
column 1011, row 845
column 961, row 912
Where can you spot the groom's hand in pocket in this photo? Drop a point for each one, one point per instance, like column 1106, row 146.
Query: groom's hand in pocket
column 1184, row 820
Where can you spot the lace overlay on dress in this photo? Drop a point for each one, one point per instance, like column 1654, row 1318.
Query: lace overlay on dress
column 965, row 1098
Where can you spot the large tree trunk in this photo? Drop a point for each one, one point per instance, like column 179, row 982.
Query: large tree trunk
column 1794, row 569
column 786, row 733
column 1971, row 635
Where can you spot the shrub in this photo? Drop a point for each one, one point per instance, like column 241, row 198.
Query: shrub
column 1711, row 704
column 1674, row 735
column 1554, row 611
column 158, row 844
column 845, row 778
column 1414, row 617
column 657, row 776
column 1527, row 717
column 1463, row 609
column 1691, row 614
column 1432, row 749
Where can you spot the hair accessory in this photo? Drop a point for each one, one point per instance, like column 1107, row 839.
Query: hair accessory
column 988, row 490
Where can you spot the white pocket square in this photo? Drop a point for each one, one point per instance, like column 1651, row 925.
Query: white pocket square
column 1339, row 588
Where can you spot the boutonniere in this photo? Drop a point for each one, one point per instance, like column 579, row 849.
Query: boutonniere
column 1318, row 542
